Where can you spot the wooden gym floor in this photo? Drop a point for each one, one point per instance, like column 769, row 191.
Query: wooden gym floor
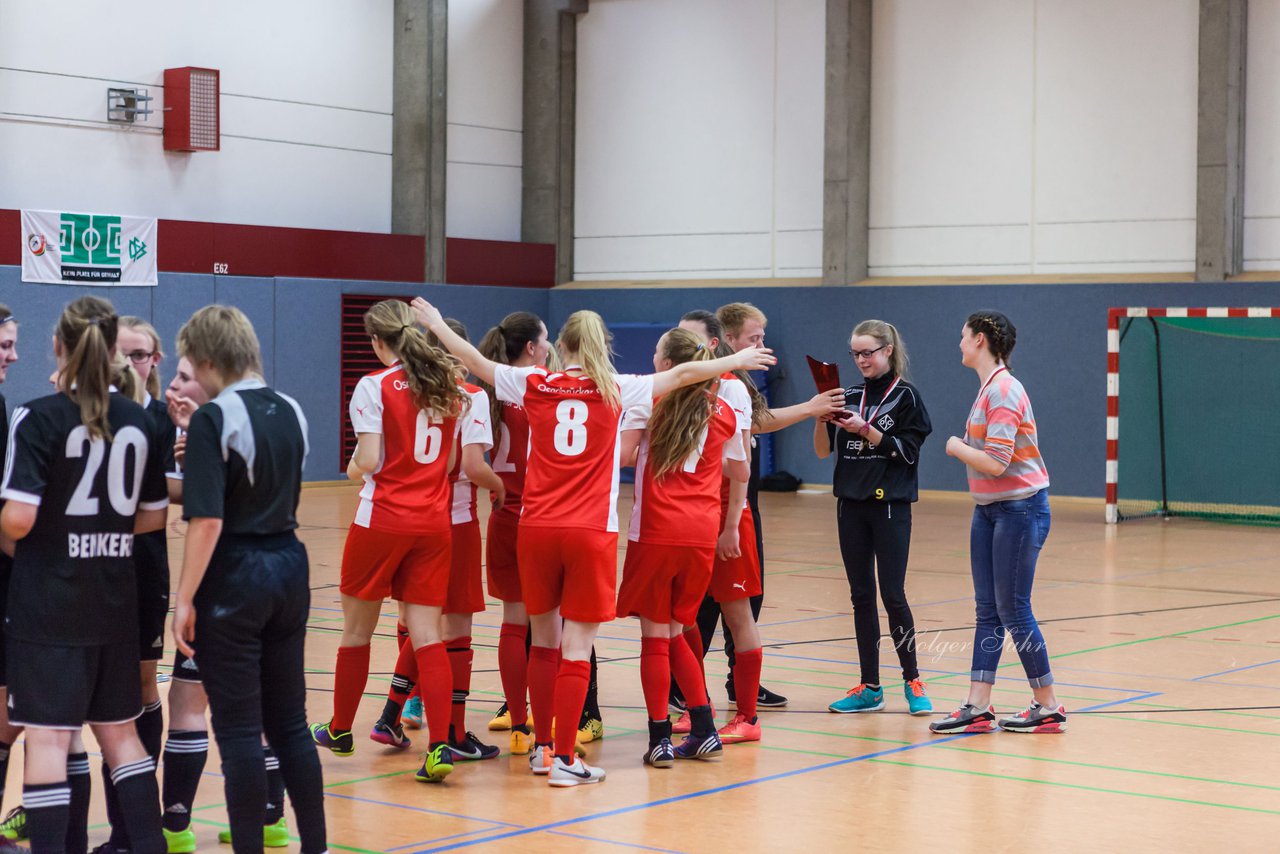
column 1165, row 641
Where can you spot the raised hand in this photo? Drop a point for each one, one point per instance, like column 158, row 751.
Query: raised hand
column 754, row 358
column 425, row 313
column 180, row 409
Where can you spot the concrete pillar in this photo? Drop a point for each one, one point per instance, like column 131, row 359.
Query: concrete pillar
column 846, row 188
column 418, row 152
column 550, row 84
column 1220, row 140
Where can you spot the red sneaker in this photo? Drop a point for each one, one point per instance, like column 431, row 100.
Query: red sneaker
column 740, row 729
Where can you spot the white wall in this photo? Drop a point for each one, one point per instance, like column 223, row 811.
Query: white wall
column 486, row 77
column 1033, row 137
column 699, row 139
column 1262, row 138
column 306, row 110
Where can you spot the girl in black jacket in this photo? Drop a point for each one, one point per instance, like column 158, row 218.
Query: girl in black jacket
column 877, row 448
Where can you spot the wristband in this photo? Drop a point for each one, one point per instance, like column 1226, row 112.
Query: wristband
column 865, row 429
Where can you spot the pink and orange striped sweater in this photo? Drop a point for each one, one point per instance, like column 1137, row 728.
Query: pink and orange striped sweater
column 1002, row 425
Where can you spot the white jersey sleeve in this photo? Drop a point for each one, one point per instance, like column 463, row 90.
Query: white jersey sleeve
column 510, row 382
column 366, row 406
column 733, row 449
column 635, row 389
column 734, row 392
column 637, row 417
column 475, row 426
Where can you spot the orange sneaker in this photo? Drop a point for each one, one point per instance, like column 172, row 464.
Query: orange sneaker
column 740, row 729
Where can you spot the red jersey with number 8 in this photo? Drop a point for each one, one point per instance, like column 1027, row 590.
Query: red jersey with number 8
column 574, row 444
column 409, row 491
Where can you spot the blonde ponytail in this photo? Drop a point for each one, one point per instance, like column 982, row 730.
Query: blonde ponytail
column 679, row 417
column 585, row 335
column 87, row 333
column 433, row 374
column 886, row 335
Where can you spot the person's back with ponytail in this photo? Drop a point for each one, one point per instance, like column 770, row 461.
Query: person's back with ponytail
column 505, row 344
column 679, row 417
column 86, row 334
column 433, row 375
column 585, row 336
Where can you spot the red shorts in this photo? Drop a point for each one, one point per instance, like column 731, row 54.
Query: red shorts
column 466, row 595
column 411, row 568
column 739, row 578
column 574, row 569
column 501, row 565
column 665, row 583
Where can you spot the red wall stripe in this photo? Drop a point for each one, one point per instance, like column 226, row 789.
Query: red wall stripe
column 309, row 253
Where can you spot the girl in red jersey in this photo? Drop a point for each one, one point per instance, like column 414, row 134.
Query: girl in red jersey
column 567, row 541
column 399, row 544
column 519, row 340
column 673, row 535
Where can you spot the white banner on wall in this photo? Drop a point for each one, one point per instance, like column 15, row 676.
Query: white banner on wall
column 88, row 249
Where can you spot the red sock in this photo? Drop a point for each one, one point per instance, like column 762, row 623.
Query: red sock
column 436, row 684
column 350, row 674
column 655, row 675
column 570, row 695
column 542, row 691
column 688, row 672
column 460, row 658
column 746, row 680
column 513, row 665
column 693, row 637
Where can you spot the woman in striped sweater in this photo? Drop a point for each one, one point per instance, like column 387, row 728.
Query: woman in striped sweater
column 1009, row 482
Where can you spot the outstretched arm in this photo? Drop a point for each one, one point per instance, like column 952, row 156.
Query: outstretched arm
column 688, row 373
column 824, row 405
column 430, row 318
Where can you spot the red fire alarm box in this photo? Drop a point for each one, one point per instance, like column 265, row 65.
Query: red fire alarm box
column 191, row 121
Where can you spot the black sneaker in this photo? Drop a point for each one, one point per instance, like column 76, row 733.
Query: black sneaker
column 661, row 755
column 471, row 748
column 675, row 701
column 706, row 747
column 967, row 718
column 765, row 699
column 109, row 848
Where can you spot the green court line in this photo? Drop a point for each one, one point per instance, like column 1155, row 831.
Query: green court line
column 805, row 752
column 366, row 779
column 1110, row 768
column 1196, row 726
column 1078, row 786
column 1158, row 637
column 1216, row 712
column 293, row 838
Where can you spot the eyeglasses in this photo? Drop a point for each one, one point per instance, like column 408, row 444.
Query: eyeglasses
column 866, row 354
column 139, row 356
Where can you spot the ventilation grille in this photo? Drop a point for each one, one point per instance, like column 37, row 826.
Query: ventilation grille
column 357, row 361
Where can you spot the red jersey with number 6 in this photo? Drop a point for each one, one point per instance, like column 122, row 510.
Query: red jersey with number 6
column 511, row 457
column 408, row 493
column 574, row 444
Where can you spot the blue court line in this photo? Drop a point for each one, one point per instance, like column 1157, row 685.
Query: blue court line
column 1236, row 669
column 492, row 821
column 442, row 839
column 555, row 825
column 613, row 842
column 1133, row 699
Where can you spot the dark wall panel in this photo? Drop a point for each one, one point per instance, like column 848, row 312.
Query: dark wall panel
column 1060, row 357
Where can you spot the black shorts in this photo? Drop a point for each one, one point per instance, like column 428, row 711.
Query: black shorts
column 151, row 559
column 185, row 669
column 66, row 687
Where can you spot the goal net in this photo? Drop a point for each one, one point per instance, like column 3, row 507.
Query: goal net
column 1193, row 413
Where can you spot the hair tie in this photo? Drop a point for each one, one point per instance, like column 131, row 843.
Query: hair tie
column 501, row 331
column 700, row 346
column 95, row 321
column 7, row 319
column 406, row 326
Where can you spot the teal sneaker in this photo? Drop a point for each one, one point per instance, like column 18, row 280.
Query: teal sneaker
column 917, row 700
column 860, row 698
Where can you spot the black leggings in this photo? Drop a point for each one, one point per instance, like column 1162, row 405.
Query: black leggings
column 875, row 539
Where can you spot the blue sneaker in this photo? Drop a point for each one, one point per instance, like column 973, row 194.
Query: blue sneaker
column 859, row 698
column 917, row 700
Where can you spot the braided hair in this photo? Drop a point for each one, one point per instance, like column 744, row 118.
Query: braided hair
column 1000, row 332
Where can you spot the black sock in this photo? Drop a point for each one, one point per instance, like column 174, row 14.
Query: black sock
column 119, row 838
column 4, row 767
column 139, row 795
column 184, row 758
column 275, row 789
column 48, row 806
column 80, row 783
column 151, row 730
column 591, row 709
column 658, row 730
column 702, row 721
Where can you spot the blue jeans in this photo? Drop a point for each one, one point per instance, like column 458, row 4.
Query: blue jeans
column 1004, row 543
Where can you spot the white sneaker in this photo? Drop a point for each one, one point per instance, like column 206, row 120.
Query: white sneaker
column 574, row 775
column 540, row 759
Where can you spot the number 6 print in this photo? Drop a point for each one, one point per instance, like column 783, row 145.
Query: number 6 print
column 571, row 427
column 426, row 440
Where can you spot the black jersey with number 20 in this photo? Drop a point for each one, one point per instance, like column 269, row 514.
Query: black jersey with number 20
column 73, row 574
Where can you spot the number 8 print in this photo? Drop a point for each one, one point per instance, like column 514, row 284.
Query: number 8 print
column 571, row 427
